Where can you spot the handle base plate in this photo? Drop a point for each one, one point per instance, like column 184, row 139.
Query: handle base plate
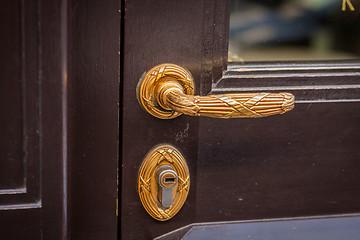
column 147, row 86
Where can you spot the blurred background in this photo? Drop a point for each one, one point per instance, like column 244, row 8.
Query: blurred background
column 268, row 30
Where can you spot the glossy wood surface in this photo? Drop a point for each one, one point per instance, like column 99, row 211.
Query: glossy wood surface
column 34, row 79
column 94, row 33
column 158, row 32
column 59, row 119
column 302, row 163
column 59, row 123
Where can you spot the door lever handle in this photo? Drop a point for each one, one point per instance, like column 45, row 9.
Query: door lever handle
column 167, row 91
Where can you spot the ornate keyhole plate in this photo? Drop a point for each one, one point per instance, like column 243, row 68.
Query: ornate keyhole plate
column 148, row 184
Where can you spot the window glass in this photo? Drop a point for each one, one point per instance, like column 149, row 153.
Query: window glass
column 263, row 30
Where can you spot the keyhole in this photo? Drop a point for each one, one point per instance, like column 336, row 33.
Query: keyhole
column 169, row 180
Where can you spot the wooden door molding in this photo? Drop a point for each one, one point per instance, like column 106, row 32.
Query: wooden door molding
column 93, row 114
column 35, row 207
column 20, row 169
column 311, row 82
column 215, row 40
column 59, row 119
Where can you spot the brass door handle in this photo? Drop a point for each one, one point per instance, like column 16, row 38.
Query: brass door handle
column 167, row 91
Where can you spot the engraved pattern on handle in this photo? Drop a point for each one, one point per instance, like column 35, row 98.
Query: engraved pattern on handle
column 245, row 105
column 167, row 91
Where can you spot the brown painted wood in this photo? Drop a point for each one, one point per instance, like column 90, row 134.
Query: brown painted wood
column 53, row 118
column 93, row 118
column 303, row 163
column 59, row 119
column 32, row 200
column 157, row 32
column 59, row 123
column 20, row 173
column 300, row 164
column 11, row 175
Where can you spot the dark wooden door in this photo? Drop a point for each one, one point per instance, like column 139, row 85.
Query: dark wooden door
column 301, row 164
column 59, row 119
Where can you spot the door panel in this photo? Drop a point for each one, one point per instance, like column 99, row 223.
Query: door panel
column 94, row 32
column 58, row 119
column 151, row 36
column 158, row 32
column 19, row 172
column 298, row 164
column 31, row 202
column 302, row 163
